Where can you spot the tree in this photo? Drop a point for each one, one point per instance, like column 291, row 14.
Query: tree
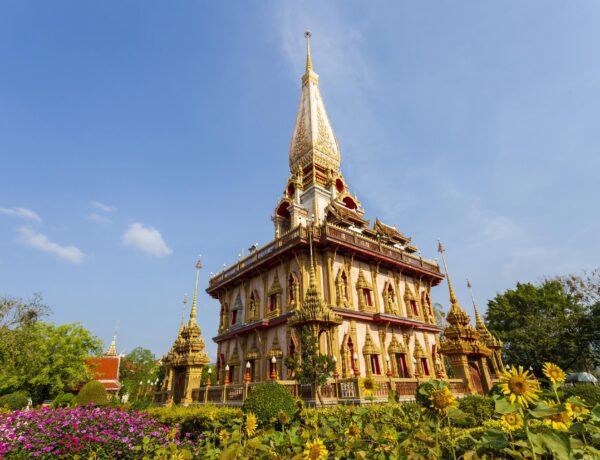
column 43, row 359
column 15, row 313
column 545, row 322
column 311, row 367
column 140, row 365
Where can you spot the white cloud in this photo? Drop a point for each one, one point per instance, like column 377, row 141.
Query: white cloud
column 98, row 218
column 146, row 239
column 23, row 213
column 103, row 207
column 500, row 228
column 36, row 240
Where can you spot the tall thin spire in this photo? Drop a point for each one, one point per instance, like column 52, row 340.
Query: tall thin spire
column 195, row 299
column 453, row 300
column 184, row 305
column 308, row 58
column 112, row 349
column 478, row 319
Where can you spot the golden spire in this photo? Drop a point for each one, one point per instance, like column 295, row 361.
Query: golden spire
column 478, row 319
column 112, row 349
column 184, row 302
column 308, row 59
column 453, row 300
column 194, row 300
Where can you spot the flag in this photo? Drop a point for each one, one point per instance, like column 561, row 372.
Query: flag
column 440, row 247
column 469, row 284
column 199, row 263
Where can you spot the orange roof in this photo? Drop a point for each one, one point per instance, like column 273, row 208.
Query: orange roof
column 104, row 367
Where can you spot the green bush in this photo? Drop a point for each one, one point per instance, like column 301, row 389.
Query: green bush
column 14, row 401
column 267, row 399
column 63, row 400
column 196, row 419
column 589, row 393
column 92, row 392
column 478, row 409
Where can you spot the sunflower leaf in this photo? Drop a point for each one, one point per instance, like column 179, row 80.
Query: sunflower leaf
column 557, row 443
column 502, row 406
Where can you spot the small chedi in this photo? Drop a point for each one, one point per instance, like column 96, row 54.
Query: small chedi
column 364, row 291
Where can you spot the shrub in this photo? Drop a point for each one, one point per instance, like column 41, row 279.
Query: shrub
column 195, row 419
column 589, row 393
column 92, row 392
column 14, row 401
column 267, row 399
column 478, row 409
column 63, row 400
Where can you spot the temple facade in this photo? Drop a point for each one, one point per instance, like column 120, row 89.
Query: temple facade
column 362, row 288
column 373, row 286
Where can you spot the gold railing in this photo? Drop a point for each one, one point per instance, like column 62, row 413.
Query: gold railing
column 327, row 231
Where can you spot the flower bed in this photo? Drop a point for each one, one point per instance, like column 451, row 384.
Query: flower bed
column 88, row 432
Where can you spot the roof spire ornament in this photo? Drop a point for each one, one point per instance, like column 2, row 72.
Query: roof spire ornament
column 478, row 320
column 112, row 349
column 308, row 59
column 194, row 300
column 184, row 303
column 441, row 250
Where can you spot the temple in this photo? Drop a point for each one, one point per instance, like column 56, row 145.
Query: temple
column 105, row 369
column 362, row 289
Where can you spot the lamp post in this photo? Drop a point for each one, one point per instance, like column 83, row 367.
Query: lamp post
column 335, row 376
column 356, row 369
column 247, row 376
column 207, row 385
column 273, row 368
column 226, row 379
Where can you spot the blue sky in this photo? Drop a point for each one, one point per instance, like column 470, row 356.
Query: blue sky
column 136, row 135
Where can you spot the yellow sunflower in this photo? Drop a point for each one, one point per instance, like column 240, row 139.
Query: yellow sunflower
column 442, row 399
column 368, row 385
column 251, row 424
column 554, row 373
column 577, row 410
column 519, row 386
column 223, row 436
column 562, row 420
column 511, row 422
column 353, row 430
column 315, row 450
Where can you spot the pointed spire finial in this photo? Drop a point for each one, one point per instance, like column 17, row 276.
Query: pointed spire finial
column 112, row 349
column 441, row 250
column 308, row 59
column 478, row 319
column 195, row 298
column 184, row 302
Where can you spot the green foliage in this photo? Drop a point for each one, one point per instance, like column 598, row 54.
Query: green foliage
column 140, row 365
column 43, row 359
column 477, row 408
column 545, row 322
column 587, row 392
column 92, row 392
column 267, row 400
column 14, row 401
column 63, row 400
column 195, row 419
column 310, row 367
column 205, row 375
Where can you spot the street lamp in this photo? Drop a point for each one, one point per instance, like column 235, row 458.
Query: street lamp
column 273, row 368
column 247, row 377
column 226, row 381
column 356, row 370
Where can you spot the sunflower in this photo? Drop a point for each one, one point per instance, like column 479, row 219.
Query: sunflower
column 562, row 420
column 251, row 424
column 511, row 422
column 442, row 399
column 315, row 450
column 353, row 430
column 519, row 386
column 578, row 411
column 554, row 373
column 223, row 436
column 368, row 386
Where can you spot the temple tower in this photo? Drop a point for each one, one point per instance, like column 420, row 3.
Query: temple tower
column 462, row 346
column 187, row 356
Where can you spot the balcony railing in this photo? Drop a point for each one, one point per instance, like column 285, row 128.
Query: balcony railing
column 326, row 232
